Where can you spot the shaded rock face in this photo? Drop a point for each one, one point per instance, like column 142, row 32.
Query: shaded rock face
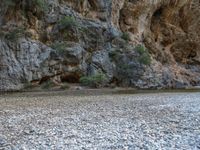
column 71, row 38
column 169, row 29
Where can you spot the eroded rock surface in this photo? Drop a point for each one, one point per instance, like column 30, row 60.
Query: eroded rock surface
column 67, row 39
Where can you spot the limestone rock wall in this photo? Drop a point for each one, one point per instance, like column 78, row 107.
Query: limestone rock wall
column 63, row 40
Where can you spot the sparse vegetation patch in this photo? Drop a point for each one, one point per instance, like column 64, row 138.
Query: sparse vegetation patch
column 144, row 57
column 125, row 36
column 97, row 80
column 15, row 34
column 68, row 22
column 47, row 85
column 59, row 47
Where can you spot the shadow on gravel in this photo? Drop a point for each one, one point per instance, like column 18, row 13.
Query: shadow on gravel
column 90, row 92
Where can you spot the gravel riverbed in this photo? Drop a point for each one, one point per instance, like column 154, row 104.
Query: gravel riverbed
column 103, row 122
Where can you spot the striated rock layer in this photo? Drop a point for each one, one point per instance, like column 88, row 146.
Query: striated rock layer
column 63, row 40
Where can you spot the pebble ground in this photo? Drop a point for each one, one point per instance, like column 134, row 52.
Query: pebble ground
column 165, row 121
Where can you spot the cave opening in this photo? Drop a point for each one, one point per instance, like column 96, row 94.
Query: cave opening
column 158, row 13
column 70, row 78
column 156, row 22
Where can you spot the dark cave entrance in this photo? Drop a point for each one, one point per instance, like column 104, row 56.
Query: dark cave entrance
column 156, row 22
column 70, row 78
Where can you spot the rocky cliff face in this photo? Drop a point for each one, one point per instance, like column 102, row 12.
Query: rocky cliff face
column 139, row 43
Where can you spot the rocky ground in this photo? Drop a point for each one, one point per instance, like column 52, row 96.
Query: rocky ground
column 140, row 121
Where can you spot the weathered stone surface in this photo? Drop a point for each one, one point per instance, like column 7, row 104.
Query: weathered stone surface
column 22, row 61
column 169, row 29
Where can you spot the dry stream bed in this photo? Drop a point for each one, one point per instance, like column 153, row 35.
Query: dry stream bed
column 97, row 121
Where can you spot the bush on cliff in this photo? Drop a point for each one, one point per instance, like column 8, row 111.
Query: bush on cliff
column 144, row 56
column 59, row 47
column 125, row 36
column 15, row 34
column 68, row 22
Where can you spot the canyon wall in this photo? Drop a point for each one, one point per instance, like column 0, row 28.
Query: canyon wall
column 135, row 43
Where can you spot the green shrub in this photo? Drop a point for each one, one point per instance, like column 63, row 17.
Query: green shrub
column 140, row 49
column 40, row 4
column 115, row 55
column 47, row 85
column 59, row 47
column 64, row 86
column 144, row 57
column 15, row 34
column 125, row 36
column 68, row 22
column 97, row 80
